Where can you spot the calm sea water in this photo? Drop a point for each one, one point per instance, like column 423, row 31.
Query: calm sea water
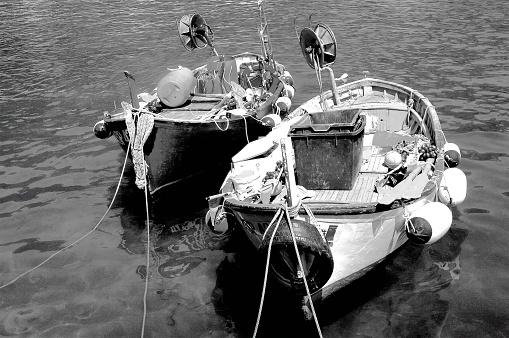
column 62, row 65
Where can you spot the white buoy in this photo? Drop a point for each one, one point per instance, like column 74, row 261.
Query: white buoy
column 284, row 104
column 289, row 91
column 429, row 223
column 452, row 155
column 271, row 120
column 453, row 187
column 287, row 78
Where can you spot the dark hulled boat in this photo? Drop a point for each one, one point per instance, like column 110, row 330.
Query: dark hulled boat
column 197, row 120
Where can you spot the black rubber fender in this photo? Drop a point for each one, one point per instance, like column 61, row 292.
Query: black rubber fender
column 283, row 261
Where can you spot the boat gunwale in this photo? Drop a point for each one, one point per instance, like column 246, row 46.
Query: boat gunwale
column 340, row 208
column 118, row 114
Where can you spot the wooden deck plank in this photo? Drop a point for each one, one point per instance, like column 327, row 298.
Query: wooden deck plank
column 363, row 188
column 357, row 188
column 334, row 195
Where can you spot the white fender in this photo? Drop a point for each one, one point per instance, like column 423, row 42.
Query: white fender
column 284, row 104
column 431, row 222
column 289, row 91
column 452, row 155
column 453, row 187
column 271, row 119
column 287, row 78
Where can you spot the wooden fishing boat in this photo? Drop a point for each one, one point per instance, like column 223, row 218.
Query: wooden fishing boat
column 343, row 181
column 197, row 120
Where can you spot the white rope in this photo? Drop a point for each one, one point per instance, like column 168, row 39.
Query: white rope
column 303, row 272
column 280, row 214
column 85, row 235
column 245, row 126
column 147, row 270
column 139, row 129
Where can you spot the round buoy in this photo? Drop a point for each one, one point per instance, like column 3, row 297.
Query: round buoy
column 392, row 159
column 101, row 130
column 175, row 88
column 452, row 155
column 284, row 104
column 453, row 187
column 271, row 120
column 287, row 78
column 429, row 223
column 289, row 91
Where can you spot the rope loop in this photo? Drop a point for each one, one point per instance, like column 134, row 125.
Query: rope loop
column 139, row 126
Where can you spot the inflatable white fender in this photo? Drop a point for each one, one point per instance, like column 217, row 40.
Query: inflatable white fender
column 271, row 119
column 284, row 104
column 221, row 225
column 288, row 79
column 453, row 187
column 289, row 91
column 429, row 223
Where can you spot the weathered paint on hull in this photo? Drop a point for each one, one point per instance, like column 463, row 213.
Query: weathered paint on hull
column 178, row 151
column 358, row 241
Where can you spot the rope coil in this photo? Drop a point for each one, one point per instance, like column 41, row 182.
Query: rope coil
column 139, row 126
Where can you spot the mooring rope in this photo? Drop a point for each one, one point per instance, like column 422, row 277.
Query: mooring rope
column 85, row 235
column 303, row 272
column 139, row 129
column 147, row 270
column 279, row 215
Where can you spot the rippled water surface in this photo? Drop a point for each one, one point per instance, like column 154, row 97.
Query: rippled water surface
column 62, row 65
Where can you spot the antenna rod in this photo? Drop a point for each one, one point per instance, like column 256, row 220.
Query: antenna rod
column 264, row 36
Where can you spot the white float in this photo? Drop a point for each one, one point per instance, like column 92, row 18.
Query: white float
column 284, row 104
column 429, row 223
column 453, row 187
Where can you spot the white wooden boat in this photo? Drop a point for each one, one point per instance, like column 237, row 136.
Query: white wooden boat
column 356, row 171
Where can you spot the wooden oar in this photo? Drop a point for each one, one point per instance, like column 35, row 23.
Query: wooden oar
column 400, row 188
column 415, row 190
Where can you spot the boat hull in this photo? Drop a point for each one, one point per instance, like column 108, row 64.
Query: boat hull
column 186, row 145
column 178, row 151
column 358, row 241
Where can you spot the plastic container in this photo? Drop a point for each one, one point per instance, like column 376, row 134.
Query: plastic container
column 175, row 88
column 329, row 155
column 331, row 120
column 244, row 180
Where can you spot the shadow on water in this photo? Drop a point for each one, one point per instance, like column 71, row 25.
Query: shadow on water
column 400, row 297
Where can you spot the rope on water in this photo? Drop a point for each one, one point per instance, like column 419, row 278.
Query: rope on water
column 279, row 215
column 85, row 235
column 148, row 263
column 139, row 126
